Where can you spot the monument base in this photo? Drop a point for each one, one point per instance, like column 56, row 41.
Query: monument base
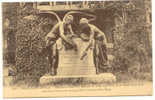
column 70, row 63
column 72, row 70
column 101, row 78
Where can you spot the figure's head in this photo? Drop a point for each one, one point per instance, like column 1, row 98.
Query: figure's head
column 83, row 21
column 69, row 19
column 84, row 28
column 83, row 25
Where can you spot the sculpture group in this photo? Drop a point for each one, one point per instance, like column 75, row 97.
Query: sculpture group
column 87, row 32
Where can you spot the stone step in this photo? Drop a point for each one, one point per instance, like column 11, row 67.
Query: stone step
column 102, row 78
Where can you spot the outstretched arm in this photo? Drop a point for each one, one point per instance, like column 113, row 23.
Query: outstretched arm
column 101, row 33
column 91, row 41
column 70, row 29
column 90, row 44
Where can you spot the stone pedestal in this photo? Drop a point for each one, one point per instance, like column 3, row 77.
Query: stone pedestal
column 70, row 63
column 73, row 70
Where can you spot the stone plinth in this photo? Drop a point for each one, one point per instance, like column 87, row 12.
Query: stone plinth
column 72, row 70
column 87, row 79
column 70, row 63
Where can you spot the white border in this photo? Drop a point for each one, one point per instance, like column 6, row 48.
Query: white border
column 77, row 98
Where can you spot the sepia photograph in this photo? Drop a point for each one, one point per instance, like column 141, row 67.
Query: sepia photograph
column 77, row 48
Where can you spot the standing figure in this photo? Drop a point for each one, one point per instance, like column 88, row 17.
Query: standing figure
column 60, row 30
column 97, row 42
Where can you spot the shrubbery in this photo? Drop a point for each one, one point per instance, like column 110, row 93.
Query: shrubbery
column 132, row 50
column 31, row 30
